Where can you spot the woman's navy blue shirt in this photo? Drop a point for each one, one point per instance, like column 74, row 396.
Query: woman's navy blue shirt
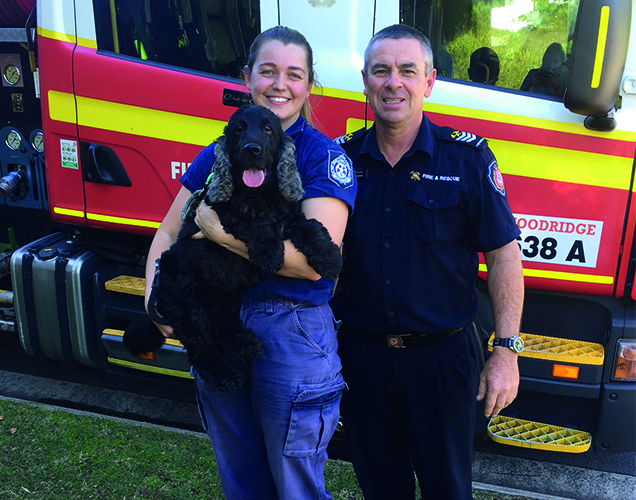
column 325, row 171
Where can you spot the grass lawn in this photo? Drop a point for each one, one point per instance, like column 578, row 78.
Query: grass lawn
column 52, row 454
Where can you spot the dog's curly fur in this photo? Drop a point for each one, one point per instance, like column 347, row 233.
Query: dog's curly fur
column 199, row 285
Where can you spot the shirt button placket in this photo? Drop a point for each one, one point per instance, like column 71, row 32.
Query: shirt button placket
column 388, row 219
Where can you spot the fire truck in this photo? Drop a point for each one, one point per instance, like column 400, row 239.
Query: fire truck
column 105, row 103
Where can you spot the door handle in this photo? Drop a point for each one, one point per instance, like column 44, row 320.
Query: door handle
column 101, row 164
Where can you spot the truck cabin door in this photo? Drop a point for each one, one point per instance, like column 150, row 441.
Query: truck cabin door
column 503, row 72
column 154, row 84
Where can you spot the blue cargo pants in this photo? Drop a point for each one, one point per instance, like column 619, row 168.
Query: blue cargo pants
column 270, row 437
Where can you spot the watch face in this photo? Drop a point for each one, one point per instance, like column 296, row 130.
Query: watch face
column 11, row 74
column 13, row 140
column 517, row 344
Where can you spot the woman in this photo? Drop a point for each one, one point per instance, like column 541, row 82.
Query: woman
column 270, row 437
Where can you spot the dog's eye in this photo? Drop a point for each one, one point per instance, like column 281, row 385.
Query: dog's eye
column 268, row 129
column 239, row 127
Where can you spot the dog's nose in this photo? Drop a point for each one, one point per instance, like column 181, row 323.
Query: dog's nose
column 252, row 149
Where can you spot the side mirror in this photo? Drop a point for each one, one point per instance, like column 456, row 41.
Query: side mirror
column 598, row 54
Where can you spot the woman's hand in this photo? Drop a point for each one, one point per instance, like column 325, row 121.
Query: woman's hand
column 208, row 222
column 166, row 330
column 211, row 228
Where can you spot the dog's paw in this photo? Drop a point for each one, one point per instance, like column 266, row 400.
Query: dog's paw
column 232, row 380
column 269, row 258
column 142, row 336
column 327, row 263
column 247, row 345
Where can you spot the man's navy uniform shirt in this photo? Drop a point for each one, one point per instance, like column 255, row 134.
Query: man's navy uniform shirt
column 411, row 247
column 325, row 171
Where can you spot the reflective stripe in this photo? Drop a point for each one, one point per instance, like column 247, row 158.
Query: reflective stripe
column 558, row 275
column 480, row 115
column 149, row 368
column 600, row 46
column 552, row 163
column 106, row 218
column 562, row 165
column 135, row 120
column 68, row 212
column 67, row 37
column 123, row 220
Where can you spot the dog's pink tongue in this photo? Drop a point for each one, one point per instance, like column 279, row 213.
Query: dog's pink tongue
column 253, row 177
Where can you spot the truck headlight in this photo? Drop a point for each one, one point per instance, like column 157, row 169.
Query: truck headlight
column 626, row 360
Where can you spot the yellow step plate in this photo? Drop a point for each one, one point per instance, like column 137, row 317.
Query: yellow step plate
column 127, row 284
column 561, row 350
column 165, row 362
column 527, row 434
column 119, row 333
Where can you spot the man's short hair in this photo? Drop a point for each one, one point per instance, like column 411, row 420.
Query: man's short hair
column 399, row 31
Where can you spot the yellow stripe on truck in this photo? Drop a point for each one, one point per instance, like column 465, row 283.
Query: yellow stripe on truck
column 552, row 164
column 123, row 220
column 558, row 275
column 67, row 37
column 68, row 212
column 106, row 218
column 525, row 121
column 562, row 165
column 135, row 120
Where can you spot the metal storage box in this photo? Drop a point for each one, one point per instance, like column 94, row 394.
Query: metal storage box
column 54, row 299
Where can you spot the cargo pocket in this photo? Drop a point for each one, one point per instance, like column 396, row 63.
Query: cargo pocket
column 314, row 416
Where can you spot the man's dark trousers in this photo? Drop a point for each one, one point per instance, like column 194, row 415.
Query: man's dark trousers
column 411, row 409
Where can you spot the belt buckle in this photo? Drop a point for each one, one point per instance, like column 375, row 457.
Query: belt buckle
column 395, row 341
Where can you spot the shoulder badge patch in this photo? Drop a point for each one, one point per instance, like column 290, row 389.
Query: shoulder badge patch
column 496, row 179
column 343, row 139
column 340, row 169
column 467, row 138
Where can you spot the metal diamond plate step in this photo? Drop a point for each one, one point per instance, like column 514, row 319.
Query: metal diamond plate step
column 561, row 350
column 13, row 35
column 527, row 434
column 126, row 284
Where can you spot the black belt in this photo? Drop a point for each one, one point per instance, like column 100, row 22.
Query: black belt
column 413, row 340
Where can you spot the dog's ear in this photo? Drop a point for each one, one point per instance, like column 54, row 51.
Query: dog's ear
column 289, row 182
column 221, row 185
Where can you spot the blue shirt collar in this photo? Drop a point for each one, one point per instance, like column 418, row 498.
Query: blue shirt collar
column 424, row 141
column 296, row 128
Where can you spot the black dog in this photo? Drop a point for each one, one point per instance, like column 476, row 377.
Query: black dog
column 198, row 286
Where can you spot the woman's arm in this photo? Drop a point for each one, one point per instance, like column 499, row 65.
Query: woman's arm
column 165, row 236
column 331, row 212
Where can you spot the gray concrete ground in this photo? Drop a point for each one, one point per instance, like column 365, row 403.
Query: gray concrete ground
column 512, row 475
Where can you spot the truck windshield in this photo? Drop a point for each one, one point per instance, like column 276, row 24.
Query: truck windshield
column 512, row 44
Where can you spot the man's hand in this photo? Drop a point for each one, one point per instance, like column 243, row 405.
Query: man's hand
column 499, row 381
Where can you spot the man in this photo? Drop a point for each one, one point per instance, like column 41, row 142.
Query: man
column 427, row 204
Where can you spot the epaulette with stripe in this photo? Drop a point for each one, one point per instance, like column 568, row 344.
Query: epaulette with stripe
column 468, row 138
column 353, row 136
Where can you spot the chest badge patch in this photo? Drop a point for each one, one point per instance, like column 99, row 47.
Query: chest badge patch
column 340, row 169
column 496, row 179
column 416, row 176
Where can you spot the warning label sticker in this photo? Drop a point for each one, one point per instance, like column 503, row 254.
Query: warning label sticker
column 69, row 153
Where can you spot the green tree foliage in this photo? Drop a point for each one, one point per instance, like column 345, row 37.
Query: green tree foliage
column 519, row 49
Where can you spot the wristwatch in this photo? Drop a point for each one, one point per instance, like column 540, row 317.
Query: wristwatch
column 515, row 344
